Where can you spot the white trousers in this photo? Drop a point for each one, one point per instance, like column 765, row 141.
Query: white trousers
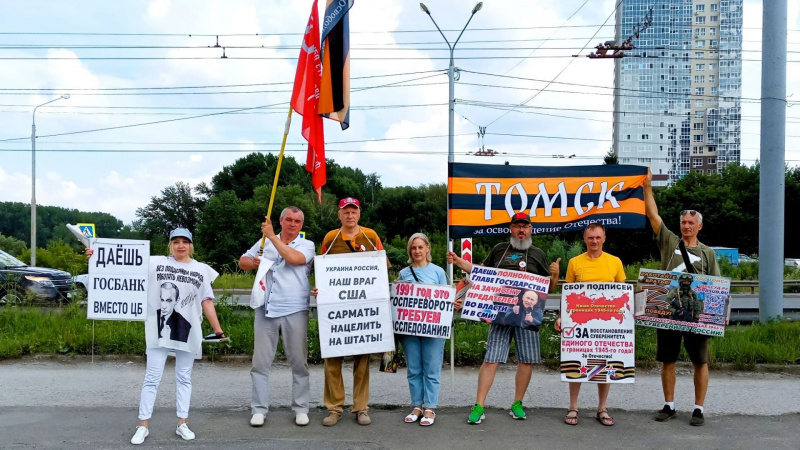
column 156, row 359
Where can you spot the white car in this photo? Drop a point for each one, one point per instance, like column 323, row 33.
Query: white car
column 792, row 262
column 81, row 284
column 746, row 259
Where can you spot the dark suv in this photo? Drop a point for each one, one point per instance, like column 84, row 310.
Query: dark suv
column 19, row 281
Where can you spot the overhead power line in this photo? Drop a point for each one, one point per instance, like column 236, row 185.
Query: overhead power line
column 356, row 32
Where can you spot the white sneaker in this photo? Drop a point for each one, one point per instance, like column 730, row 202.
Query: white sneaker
column 141, row 433
column 184, row 432
column 301, row 419
column 257, row 420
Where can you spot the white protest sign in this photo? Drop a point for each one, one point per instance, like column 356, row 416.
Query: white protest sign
column 597, row 333
column 118, row 273
column 353, row 304
column 421, row 309
column 259, row 292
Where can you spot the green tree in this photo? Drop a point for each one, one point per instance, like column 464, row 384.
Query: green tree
column 257, row 170
column 227, row 227
column 176, row 207
column 610, row 158
column 51, row 223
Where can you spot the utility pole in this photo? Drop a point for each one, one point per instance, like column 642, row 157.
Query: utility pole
column 33, row 177
column 451, row 74
column 772, row 187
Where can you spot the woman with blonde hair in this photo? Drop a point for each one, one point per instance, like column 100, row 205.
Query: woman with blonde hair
column 179, row 293
column 424, row 355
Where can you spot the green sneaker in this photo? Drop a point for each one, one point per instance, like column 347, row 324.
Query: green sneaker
column 476, row 416
column 516, row 410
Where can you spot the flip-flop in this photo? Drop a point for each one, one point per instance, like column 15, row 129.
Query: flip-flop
column 411, row 418
column 568, row 417
column 607, row 421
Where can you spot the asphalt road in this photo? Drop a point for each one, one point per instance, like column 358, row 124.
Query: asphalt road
column 222, row 428
column 75, row 404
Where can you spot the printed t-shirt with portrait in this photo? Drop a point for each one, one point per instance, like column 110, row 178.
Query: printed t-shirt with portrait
column 174, row 310
column 702, row 257
column 366, row 240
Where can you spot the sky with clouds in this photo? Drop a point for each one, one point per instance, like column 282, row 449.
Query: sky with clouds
column 153, row 103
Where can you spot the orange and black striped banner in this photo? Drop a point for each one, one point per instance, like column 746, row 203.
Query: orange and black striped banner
column 483, row 197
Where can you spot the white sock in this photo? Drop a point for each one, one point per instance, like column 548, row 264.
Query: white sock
column 699, row 407
column 670, row 404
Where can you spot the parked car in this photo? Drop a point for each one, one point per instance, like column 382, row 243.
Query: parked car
column 792, row 262
column 81, row 284
column 746, row 259
column 19, row 281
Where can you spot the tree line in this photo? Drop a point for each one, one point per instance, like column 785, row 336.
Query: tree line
column 225, row 215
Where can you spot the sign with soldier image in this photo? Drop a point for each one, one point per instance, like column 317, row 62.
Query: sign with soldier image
column 679, row 301
column 597, row 337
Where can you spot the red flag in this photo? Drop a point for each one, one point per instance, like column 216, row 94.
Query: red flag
column 305, row 100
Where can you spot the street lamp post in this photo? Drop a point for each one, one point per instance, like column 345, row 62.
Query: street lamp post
column 451, row 104
column 450, row 144
column 33, row 177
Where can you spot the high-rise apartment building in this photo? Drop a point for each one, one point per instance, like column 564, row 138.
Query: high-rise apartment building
column 677, row 104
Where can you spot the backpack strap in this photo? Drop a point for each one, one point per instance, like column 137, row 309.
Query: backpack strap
column 685, row 254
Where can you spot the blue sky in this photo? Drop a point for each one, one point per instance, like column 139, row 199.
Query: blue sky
column 399, row 119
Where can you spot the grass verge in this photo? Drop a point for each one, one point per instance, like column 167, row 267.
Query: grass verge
column 28, row 330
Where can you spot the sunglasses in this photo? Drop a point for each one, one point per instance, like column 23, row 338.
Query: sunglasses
column 519, row 226
column 691, row 212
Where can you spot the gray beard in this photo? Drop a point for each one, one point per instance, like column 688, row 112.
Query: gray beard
column 521, row 245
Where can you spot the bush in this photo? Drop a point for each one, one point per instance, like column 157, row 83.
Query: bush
column 12, row 246
column 59, row 255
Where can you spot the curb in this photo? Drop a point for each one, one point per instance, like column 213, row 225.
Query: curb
column 787, row 369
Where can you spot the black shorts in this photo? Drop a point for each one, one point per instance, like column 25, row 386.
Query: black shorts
column 669, row 346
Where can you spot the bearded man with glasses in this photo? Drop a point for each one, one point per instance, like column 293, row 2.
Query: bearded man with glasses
column 517, row 254
column 683, row 254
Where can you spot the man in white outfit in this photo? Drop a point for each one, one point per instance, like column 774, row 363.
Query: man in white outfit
column 284, row 313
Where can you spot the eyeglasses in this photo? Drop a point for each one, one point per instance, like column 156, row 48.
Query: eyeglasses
column 691, row 212
column 518, row 226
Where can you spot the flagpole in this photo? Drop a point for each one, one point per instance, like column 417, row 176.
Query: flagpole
column 277, row 172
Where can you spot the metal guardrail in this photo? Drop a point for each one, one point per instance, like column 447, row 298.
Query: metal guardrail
column 744, row 306
column 752, row 284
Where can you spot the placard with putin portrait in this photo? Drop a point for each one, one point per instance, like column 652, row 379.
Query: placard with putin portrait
column 507, row 297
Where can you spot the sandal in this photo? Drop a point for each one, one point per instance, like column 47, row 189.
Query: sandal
column 411, row 418
column 427, row 421
column 571, row 420
column 606, row 420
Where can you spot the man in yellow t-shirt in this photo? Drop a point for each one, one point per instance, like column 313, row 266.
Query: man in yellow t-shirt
column 592, row 266
column 351, row 237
